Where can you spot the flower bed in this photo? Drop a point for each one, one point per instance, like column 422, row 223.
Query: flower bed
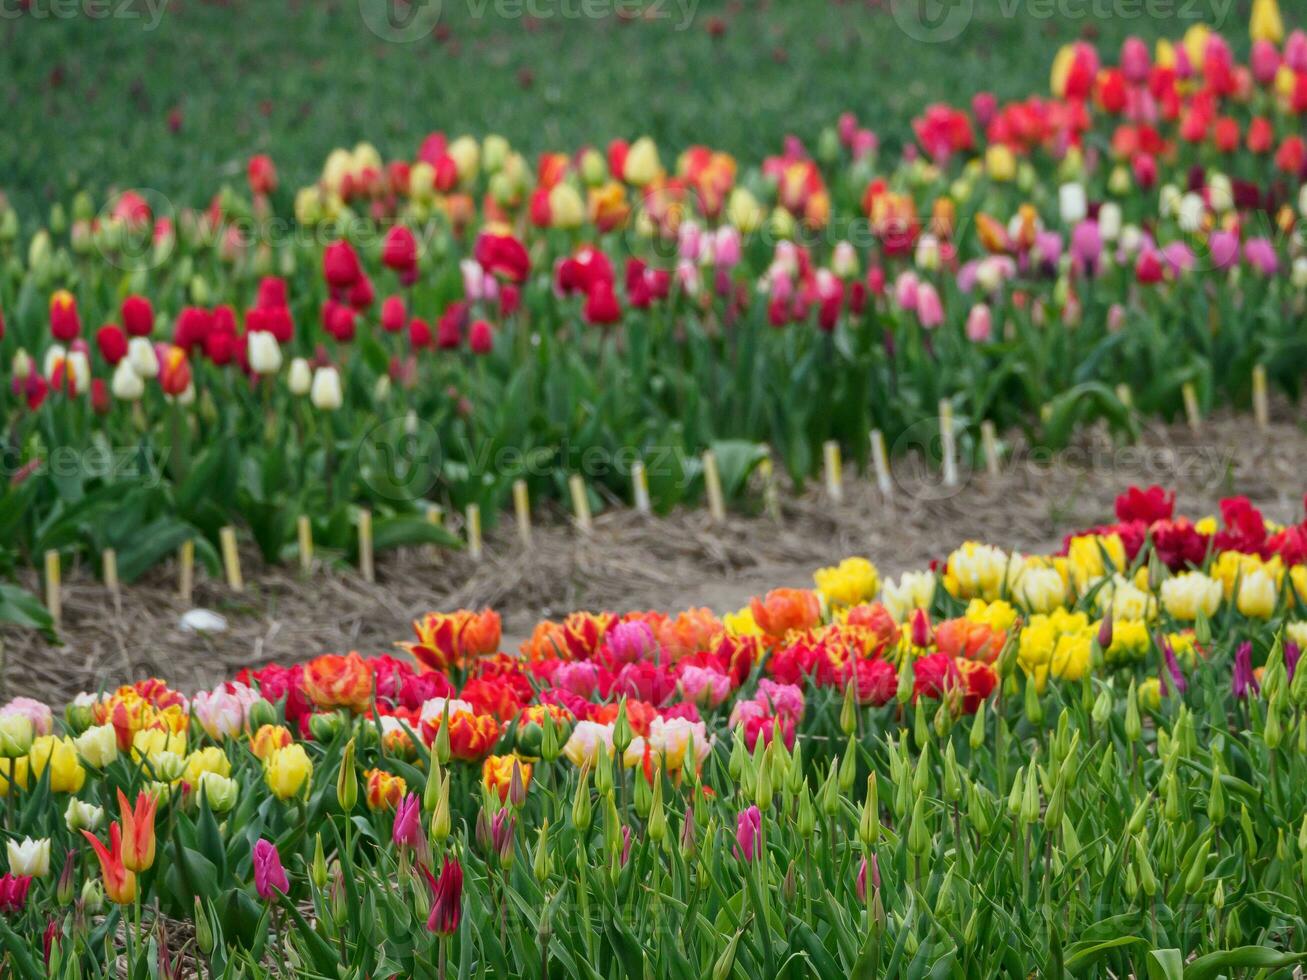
column 436, row 327
column 1093, row 759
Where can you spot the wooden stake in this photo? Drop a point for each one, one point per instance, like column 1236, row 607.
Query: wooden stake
column 186, row 571
column 522, row 504
column 1123, row 393
column 712, row 481
column 640, row 483
column 109, row 569
column 1191, row 406
column 53, row 592
column 580, row 503
column 231, row 559
column 989, row 441
column 366, row 565
column 947, row 446
column 770, row 498
column 304, row 528
column 1261, row 407
column 880, row 460
column 474, row 531
column 834, row 471
column 435, row 517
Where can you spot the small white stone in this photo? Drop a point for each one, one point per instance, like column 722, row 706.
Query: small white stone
column 203, row 621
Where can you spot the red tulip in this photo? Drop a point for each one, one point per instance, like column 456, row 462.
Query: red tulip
column 65, row 324
column 174, row 371
column 419, row 334
column 262, row 174
column 112, row 343
column 393, row 314
column 601, row 306
column 446, row 898
column 272, row 293
column 399, row 251
column 480, row 337
column 361, row 294
column 137, row 316
column 13, row 893
column 340, row 265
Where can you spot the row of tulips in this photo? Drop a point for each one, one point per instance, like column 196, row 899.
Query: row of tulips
column 436, row 328
column 1090, row 763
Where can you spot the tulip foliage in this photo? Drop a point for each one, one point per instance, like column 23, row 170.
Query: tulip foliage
column 1092, row 763
column 435, row 326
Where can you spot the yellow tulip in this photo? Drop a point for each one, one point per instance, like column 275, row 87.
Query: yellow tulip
column 1266, row 23
column 288, row 772
column 59, row 755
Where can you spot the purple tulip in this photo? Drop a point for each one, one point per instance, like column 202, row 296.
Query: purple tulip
column 1243, row 679
column 269, row 876
column 748, row 833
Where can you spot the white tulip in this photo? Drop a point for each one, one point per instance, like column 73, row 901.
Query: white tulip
column 1190, row 213
column 144, row 360
column 30, row 858
column 127, row 385
column 326, row 393
column 22, row 365
column 265, row 355
column 78, row 370
column 1109, row 221
column 1072, row 203
column 300, row 377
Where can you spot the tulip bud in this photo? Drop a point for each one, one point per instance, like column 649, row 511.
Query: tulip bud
column 347, row 782
column 1134, row 728
column 443, row 751
column 848, row 767
column 92, row 898
column 657, row 825
column 849, row 711
column 806, row 818
column 604, row 772
column 1030, row 795
column 440, row 818
column 1033, row 706
column 1216, row 798
column 920, row 838
column 203, row 931
column 516, row 786
column 542, row 866
column 869, row 825
column 903, row 692
column 1147, row 880
column 976, row 738
column 689, row 844
column 622, row 733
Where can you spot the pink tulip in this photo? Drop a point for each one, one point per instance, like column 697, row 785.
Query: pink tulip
column 930, row 311
column 748, row 833
column 1135, row 62
column 269, row 876
column 1265, row 62
column 407, row 831
column 980, row 324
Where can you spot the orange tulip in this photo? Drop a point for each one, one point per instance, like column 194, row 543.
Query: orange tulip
column 138, row 837
column 268, row 739
column 447, row 640
column 333, row 681
column 968, row 639
column 383, row 790
column 497, row 774
column 119, row 880
column 576, row 638
column 782, row 610
column 471, row 736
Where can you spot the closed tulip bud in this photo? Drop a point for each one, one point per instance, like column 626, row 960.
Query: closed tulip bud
column 1216, row 809
column 806, row 819
column 849, row 710
column 657, row 826
column 1218, row 895
column 347, row 781
column 848, row 767
column 952, row 777
column 203, row 930
column 763, row 788
column 920, row 838
column 920, row 728
column 440, row 818
column 689, row 841
column 622, row 733
column 1134, row 728
column 604, row 772
column 443, row 751
column 516, row 786
column 869, row 825
column 1272, row 732
column 1197, row 872
column 724, row 967
column 1030, row 795
column 325, row 726
column 1033, row 706
column 1147, row 879
column 541, row 866
column 978, row 814
column 828, row 797
column 299, row 379
column 1102, row 709
column 903, row 692
column 976, row 737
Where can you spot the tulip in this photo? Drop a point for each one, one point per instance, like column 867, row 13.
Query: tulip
column 138, row 845
column 407, row 828
column 137, row 316
column 58, row 756
column 326, row 392
column 269, row 876
column 65, row 324
column 340, row 266
column 16, row 735
column 980, row 324
column 480, row 337
column 446, row 898
column 641, row 165
column 30, row 858
column 748, row 833
column 288, row 772
column 264, row 354
column 81, row 815
column 219, row 791
column 930, row 311
column 174, row 371
column 1072, row 203
column 13, row 893
column 299, row 379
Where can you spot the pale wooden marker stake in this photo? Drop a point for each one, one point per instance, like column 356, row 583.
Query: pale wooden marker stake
column 770, row 498
column 1261, row 407
column 474, row 531
column 366, row 564
column 712, row 481
column 947, row 447
column 186, row 571
column 880, row 460
column 522, row 505
column 109, row 569
column 53, row 593
column 1191, row 406
column 231, row 559
column 580, row 503
column 304, row 528
column 834, row 471
column 1123, row 393
column 989, row 441
column 640, row 483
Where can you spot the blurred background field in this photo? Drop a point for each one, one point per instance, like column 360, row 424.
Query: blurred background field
column 175, row 95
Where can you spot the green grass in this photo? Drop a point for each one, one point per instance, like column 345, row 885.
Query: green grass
column 87, row 102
